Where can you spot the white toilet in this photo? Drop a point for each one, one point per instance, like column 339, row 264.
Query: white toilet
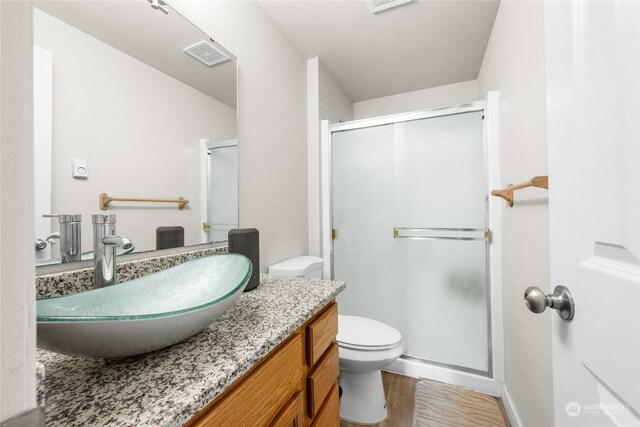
column 365, row 347
column 302, row 266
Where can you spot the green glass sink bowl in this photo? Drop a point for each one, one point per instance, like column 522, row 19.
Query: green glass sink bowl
column 143, row 314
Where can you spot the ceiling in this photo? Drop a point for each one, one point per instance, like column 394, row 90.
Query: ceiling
column 418, row 45
column 134, row 28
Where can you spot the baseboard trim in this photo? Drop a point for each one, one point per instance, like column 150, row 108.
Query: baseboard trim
column 512, row 414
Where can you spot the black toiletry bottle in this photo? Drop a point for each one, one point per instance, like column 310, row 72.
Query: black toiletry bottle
column 246, row 241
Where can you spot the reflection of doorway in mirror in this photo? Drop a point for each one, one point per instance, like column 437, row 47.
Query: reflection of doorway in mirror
column 42, row 128
column 220, row 189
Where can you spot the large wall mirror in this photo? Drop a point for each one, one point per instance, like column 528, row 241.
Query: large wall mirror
column 132, row 101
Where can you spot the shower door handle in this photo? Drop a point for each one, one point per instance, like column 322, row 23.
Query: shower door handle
column 560, row 300
column 479, row 234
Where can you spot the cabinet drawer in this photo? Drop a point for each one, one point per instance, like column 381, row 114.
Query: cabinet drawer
column 258, row 398
column 321, row 332
column 329, row 414
column 322, row 379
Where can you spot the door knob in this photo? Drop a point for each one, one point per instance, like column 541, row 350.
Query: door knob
column 560, row 300
column 40, row 244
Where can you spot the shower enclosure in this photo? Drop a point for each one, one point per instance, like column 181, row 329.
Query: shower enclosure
column 409, row 218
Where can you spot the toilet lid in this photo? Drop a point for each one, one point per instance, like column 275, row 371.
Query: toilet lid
column 363, row 332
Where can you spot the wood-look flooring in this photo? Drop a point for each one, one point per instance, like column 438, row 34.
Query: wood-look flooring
column 446, row 405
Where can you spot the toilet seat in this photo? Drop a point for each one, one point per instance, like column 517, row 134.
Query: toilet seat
column 360, row 333
column 368, row 348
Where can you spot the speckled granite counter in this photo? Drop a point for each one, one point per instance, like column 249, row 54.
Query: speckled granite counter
column 169, row 386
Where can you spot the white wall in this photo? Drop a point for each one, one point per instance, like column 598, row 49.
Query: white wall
column 138, row 129
column 417, row 100
column 335, row 104
column 514, row 64
column 272, row 130
column 326, row 100
column 17, row 281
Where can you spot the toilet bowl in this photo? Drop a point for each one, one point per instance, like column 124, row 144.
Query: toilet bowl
column 365, row 346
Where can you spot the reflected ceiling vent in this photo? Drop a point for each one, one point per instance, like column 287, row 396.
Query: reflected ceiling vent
column 380, row 5
column 206, row 53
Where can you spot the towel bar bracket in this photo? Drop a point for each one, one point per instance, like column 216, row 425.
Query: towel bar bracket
column 507, row 193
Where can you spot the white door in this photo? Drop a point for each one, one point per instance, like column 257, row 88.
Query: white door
column 593, row 101
column 222, row 197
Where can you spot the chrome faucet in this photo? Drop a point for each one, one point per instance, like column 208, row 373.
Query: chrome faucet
column 105, row 242
column 69, row 236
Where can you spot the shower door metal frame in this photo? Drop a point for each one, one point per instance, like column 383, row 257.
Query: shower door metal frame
column 488, row 382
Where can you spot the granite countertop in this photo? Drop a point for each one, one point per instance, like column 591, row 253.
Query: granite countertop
column 168, row 387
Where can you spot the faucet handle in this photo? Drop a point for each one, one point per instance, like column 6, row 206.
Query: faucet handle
column 53, row 238
column 118, row 241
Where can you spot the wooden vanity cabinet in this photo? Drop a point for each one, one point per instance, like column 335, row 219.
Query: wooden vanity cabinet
column 296, row 385
column 293, row 413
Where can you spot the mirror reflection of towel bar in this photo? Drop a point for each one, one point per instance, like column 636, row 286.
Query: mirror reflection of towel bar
column 105, row 200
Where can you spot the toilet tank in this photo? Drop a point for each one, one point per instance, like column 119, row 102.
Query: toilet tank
column 302, row 266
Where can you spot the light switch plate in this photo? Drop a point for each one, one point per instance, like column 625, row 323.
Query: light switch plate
column 80, row 169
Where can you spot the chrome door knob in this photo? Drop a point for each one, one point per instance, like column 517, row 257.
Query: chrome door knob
column 560, row 300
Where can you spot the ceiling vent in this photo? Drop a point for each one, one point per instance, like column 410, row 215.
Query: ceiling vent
column 206, row 53
column 380, row 5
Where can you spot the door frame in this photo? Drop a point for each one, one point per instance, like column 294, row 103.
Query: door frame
column 42, row 144
column 493, row 383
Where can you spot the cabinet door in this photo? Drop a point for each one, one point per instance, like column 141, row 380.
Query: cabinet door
column 292, row 415
column 329, row 414
column 258, row 398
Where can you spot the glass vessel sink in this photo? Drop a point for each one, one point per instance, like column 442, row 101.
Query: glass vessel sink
column 143, row 314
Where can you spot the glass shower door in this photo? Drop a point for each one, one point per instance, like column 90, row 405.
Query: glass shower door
column 363, row 217
column 441, row 248
column 411, row 234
